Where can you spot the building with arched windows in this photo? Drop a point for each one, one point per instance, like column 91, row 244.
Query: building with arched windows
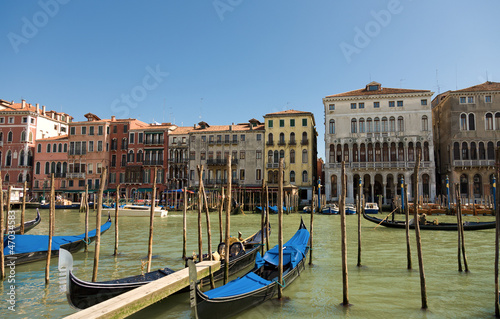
column 378, row 132
column 466, row 133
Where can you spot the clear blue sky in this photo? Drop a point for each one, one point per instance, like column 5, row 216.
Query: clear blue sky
column 232, row 60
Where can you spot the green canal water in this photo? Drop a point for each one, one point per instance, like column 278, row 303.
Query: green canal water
column 381, row 288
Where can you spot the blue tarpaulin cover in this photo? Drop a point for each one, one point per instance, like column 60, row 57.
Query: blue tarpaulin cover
column 33, row 243
column 293, row 252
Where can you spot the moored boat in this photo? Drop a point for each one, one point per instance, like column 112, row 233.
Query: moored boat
column 137, row 211
column 371, row 208
column 350, row 209
column 29, row 224
column 258, row 285
column 330, row 209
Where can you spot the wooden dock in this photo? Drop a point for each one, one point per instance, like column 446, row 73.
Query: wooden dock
column 131, row 302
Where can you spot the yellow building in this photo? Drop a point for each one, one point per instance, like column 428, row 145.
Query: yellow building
column 292, row 135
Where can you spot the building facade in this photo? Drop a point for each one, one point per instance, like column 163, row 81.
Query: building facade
column 466, row 133
column 178, row 157
column 377, row 132
column 292, row 135
column 21, row 124
column 210, row 146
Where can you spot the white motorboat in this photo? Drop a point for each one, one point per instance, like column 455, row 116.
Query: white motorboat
column 137, row 211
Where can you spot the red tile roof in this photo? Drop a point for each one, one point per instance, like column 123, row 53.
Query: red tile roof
column 383, row 90
column 225, row 128
column 54, row 138
column 486, row 86
column 288, row 112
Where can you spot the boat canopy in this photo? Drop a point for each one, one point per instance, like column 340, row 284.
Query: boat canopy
column 293, row 250
column 32, row 243
column 247, row 283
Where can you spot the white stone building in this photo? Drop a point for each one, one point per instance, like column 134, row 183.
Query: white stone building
column 378, row 131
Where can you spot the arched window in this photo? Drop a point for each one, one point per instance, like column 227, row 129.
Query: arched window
column 353, row 126
column 270, row 139
column 23, row 136
column 378, row 153
column 64, row 168
column 54, row 148
column 304, row 177
column 292, row 177
column 393, row 152
column 370, row 152
column 139, row 156
column 59, row 148
column 426, row 152
column 21, row 158
column 362, row 153
column 411, row 152
column 392, row 124
column 282, row 154
column 58, row 168
column 7, row 178
column 131, row 156
column 282, row 139
column 401, row 152
column 463, row 122
column 377, row 124
column 292, row 138
column 331, row 154
column 47, row 168
column 304, row 138
column 65, row 148
column 355, row 152
column 9, row 137
column 482, row 151
column 473, row 151
column 346, row 153
column 401, row 124
column 477, row 186
column 456, row 151
column 39, row 148
column 425, row 123
column 361, row 125
column 31, row 138
column 465, row 151
column 497, row 121
column 53, row 167
column 489, row 121
column 369, row 125
column 1, row 136
column 270, row 156
column 425, row 185
column 48, row 148
column 472, row 122
column 332, row 127
column 37, row 168
column 20, row 178
column 28, row 177
column 491, row 151
column 276, row 157
column 304, row 156
column 8, row 158
column 384, row 124
column 464, row 185
column 292, row 156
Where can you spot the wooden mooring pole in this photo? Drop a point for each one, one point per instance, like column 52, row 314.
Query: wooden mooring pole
column 23, row 208
column 98, row 223
column 345, row 284
column 51, row 228
column 184, row 223
column 117, row 207
column 262, row 217
column 228, row 220
column 221, row 209
column 2, row 232
column 85, row 202
column 311, row 231
column 200, row 208
column 358, row 210
column 497, row 229
column 407, row 225
column 209, row 230
column 267, row 217
column 151, row 220
column 423, row 289
column 280, row 228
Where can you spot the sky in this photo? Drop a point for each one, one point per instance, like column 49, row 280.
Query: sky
column 228, row 61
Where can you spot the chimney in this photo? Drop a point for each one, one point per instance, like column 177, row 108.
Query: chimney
column 37, row 108
column 113, row 118
column 23, row 104
column 43, row 109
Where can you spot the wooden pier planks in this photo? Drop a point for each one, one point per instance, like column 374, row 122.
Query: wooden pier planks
column 131, row 302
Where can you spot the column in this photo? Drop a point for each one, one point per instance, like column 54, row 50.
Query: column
column 350, row 190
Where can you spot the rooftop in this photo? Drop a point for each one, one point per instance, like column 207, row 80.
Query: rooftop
column 375, row 88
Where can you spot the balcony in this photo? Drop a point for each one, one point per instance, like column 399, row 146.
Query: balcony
column 281, row 143
column 75, row 175
column 292, row 143
column 77, row 152
column 270, row 143
column 235, row 142
column 154, row 141
column 380, row 165
column 221, row 162
column 155, row 162
column 474, row 163
column 177, row 161
column 213, row 182
column 274, row 165
column 304, row 142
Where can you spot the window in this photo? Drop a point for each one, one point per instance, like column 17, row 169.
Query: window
column 392, row 124
column 258, row 174
column 242, row 155
column 463, row 122
column 282, row 123
column 39, row 148
column 100, row 130
column 242, row 174
column 497, row 121
column 368, row 125
column 332, row 127
column 391, row 104
column 400, row 103
column 304, row 156
column 270, row 123
column 304, row 122
column 112, row 178
column 91, row 130
column 462, row 100
column 131, row 138
column 48, row 148
column 2, row 120
column 54, row 148
column 84, row 130
column 292, row 176
column 235, row 138
column 353, row 125
column 292, row 156
column 11, row 120
column 140, row 137
column 401, row 126
column 331, row 107
column 192, row 155
column 259, row 137
column 258, row 154
column 361, row 105
column 90, row 169
column 353, row 106
column 487, row 99
column 91, row 146
column 425, row 123
column 65, row 148
column 125, row 128
column 470, row 99
column 304, row 177
column 292, row 122
column 377, row 124
column 376, row 105
column 59, row 148
column 373, row 88
column 72, row 130
column 472, row 122
column 37, row 168
column 99, row 146
column 115, row 128
column 203, row 155
column 423, row 102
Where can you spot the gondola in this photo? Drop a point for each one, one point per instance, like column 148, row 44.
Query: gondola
column 430, row 225
column 83, row 294
column 21, row 249
column 29, row 224
column 258, row 285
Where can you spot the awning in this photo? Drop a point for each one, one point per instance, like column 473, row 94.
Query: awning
column 145, row 190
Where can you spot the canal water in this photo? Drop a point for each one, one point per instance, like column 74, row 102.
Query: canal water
column 381, row 288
